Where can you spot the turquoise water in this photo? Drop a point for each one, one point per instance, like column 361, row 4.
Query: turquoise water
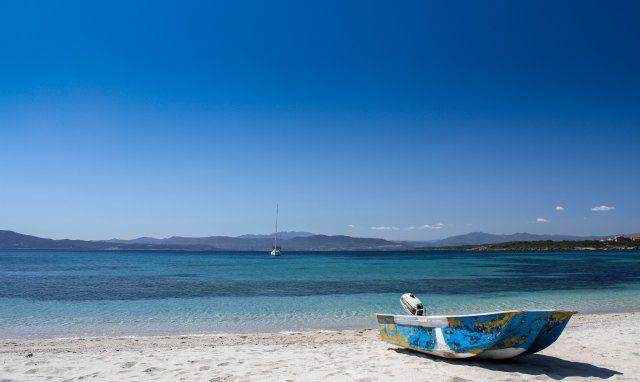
column 67, row 294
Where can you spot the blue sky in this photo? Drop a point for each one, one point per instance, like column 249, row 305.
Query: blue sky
column 126, row 119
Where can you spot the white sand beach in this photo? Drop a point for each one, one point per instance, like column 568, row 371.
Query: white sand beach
column 593, row 347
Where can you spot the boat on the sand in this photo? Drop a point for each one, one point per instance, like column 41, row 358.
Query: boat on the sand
column 496, row 335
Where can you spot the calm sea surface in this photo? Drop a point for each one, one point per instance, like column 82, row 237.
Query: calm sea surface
column 68, row 294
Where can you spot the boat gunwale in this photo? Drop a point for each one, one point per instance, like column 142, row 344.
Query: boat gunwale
column 477, row 314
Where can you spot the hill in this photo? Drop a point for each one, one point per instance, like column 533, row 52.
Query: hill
column 301, row 241
column 566, row 245
column 340, row 242
column 482, row 238
column 10, row 240
column 17, row 241
column 281, row 235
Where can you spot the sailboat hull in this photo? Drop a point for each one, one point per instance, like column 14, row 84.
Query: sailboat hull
column 496, row 335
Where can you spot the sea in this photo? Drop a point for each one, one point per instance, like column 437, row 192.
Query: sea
column 79, row 294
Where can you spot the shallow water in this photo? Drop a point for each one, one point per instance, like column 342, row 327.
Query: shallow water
column 65, row 294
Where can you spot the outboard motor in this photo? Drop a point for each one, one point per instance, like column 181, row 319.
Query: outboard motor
column 412, row 304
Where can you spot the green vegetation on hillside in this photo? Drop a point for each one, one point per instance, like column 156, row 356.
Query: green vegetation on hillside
column 566, row 245
column 546, row 245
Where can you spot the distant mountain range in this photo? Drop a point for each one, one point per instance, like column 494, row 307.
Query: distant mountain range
column 281, row 235
column 289, row 241
column 14, row 240
column 480, row 238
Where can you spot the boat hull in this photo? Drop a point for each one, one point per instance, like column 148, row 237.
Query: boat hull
column 496, row 335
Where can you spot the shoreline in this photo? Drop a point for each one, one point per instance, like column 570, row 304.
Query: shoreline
column 593, row 346
column 469, row 248
column 373, row 326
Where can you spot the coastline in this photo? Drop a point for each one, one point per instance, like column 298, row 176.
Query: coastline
column 593, row 346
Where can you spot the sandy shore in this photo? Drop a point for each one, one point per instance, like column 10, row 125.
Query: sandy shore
column 593, row 347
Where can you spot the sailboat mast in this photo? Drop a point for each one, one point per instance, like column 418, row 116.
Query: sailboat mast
column 275, row 240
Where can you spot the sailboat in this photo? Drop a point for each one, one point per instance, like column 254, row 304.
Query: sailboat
column 275, row 251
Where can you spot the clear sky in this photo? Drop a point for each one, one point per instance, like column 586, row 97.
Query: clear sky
column 125, row 119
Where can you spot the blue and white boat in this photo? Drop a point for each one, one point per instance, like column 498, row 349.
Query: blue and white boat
column 496, row 335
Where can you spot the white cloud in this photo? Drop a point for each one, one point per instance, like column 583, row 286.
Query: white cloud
column 385, row 228
column 559, row 208
column 602, row 208
column 540, row 220
column 351, row 226
column 435, row 226
column 412, row 227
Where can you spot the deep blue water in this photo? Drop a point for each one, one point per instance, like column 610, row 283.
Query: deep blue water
column 51, row 294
